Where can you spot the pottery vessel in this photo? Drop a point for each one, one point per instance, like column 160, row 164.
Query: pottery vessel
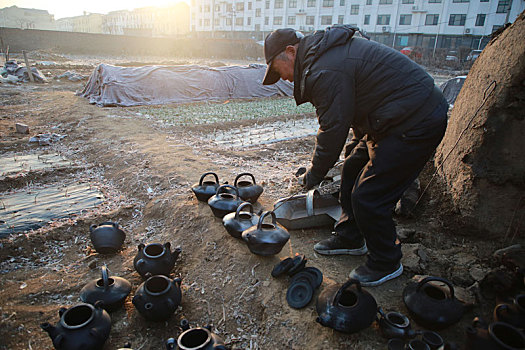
column 198, row 338
column 495, row 336
column 431, row 306
column 81, row 327
column 347, row 308
column 107, row 238
column 266, row 239
column 236, row 223
column 112, row 291
column 223, row 202
column 512, row 313
column 248, row 190
column 394, row 325
column 203, row 190
column 156, row 259
column 158, row 297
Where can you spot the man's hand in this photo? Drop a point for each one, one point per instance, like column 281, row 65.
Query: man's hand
column 309, row 180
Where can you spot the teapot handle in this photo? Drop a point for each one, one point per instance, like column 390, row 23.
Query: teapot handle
column 344, row 286
column 206, row 174
column 439, row 279
column 221, row 188
column 241, row 207
column 261, row 219
column 499, row 308
column 244, row 174
column 105, row 276
column 310, row 196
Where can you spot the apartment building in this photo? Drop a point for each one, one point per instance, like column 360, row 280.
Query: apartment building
column 25, row 18
column 87, row 23
column 394, row 22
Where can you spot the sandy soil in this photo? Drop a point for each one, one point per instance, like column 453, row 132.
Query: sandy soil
column 223, row 283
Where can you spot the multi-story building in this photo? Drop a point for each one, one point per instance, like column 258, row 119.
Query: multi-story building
column 88, row 23
column 393, row 22
column 149, row 21
column 24, row 18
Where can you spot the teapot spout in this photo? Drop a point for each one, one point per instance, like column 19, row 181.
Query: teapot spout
column 51, row 330
column 175, row 254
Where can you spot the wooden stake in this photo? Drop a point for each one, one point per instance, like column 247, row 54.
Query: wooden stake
column 28, row 68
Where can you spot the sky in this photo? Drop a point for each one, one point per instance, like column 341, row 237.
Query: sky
column 69, row 8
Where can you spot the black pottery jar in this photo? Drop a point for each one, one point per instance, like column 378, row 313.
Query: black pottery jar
column 158, row 297
column 81, row 327
column 107, row 238
column 495, row 336
column 112, row 291
column 156, row 259
column 236, row 223
column 266, row 239
column 512, row 313
column 198, row 338
column 431, row 306
column 248, row 190
column 347, row 308
column 203, row 190
column 223, row 203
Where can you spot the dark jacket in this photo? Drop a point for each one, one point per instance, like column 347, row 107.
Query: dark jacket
column 354, row 82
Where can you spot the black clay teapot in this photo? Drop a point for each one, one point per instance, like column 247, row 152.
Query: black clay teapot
column 266, row 239
column 347, row 308
column 81, row 327
column 236, row 223
column 431, row 306
column 156, row 259
column 394, row 325
column 112, row 291
column 198, row 338
column 512, row 313
column 248, row 190
column 107, row 238
column 203, row 190
column 223, row 203
column 495, row 336
column 158, row 297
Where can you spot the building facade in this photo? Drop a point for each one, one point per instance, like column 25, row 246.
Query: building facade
column 393, row 22
column 88, row 23
column 24, row 18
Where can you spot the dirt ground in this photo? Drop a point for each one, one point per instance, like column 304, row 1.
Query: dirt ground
column 146, row 169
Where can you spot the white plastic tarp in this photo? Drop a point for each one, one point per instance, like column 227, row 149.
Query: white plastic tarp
column 152, row 85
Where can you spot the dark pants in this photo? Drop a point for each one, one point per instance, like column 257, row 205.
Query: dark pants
column 375, row 175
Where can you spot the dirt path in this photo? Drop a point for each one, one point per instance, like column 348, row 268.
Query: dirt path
column 146, row 170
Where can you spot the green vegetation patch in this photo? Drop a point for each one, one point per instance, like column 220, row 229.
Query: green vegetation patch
column 216, row 112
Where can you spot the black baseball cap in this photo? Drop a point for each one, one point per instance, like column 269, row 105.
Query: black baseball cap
column 274, row 44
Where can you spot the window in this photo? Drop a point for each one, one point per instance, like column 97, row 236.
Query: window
column 503, row 6
column 457, row 20
column 369, row 2
column 460, row 0
column 278, row 4
column 367, row 19
column 354, row 10
column 217, row 22
column 434, row 1
column 200, row 22
column 341, row 2
column 277, row 21
column 257, row 12
column 405, row 20
column 312, row 3
column 328, row 3
column 239, row 21
column 483, row 0
column 229, row 7
column 267, row 4
column 257, row 27
column 383, row 19
column 407, row 1
column 249, row 6
column 310, row 20
column 292, row 4
column 207, row 22
column 206, row 8
column 385, row 2
column 341, row 19
column 326, row 20
column 228, row 21
column 494, row 28
column 266, row 21
column 249, row 21
column 217, row 8
column 239, row 6
column 291, row 20
column 431, row 20
column 480, row 20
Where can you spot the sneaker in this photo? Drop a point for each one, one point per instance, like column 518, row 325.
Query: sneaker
column 371, row 277
column 337, row 245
